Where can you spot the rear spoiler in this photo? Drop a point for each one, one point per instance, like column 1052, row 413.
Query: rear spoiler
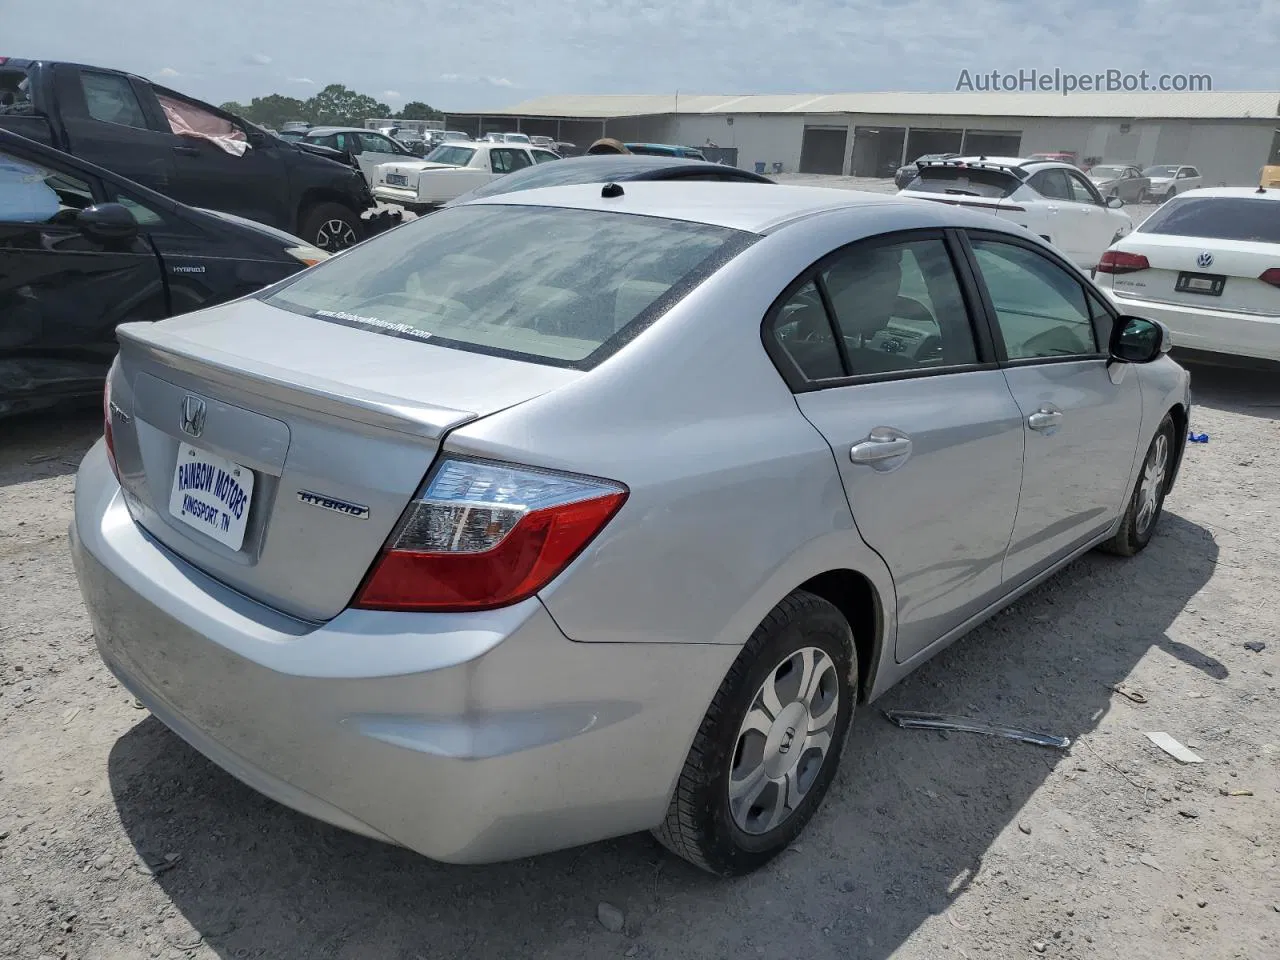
column 1008, row 168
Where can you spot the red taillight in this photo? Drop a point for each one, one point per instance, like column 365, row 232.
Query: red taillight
column 107, row 432
column 486, row 535
column 1120, row 261
column 1271, row 276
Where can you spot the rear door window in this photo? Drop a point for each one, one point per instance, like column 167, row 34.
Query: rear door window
column 109, row 97
column 484, row 278
column 1217, row 218
column 964, row 182
column 1052, row 185
column 544, row 156
column 507, row 159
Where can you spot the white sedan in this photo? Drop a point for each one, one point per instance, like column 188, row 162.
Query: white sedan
column 1052, row 199
column 1170, row 179
column 451, row 170
column 1208, row 266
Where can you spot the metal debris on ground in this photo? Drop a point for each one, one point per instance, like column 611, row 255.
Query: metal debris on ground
column 1257, row 646
column 1235, row 793
column 911, row 720
column 1173, row 748
column 1128, row 692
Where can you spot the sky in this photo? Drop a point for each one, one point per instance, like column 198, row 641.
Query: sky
column 466, row 55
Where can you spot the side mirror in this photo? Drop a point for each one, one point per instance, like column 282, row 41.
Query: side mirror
column 1115, row 203
column 1138, row 340
column 107, row 223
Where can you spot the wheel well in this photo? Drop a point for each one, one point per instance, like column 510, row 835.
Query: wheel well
column 313, row 198
column 855, row 597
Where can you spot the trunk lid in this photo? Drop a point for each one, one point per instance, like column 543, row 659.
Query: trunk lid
column 981, row 188
column 332, row 429
column 1240, row 262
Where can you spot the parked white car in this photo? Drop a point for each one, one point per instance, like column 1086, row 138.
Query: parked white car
column 1170, row 179
column 1052, row 199
column 369, row 148
column 450, row 170
column 1208, row 266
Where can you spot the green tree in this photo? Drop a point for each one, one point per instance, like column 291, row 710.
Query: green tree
column 239, row 109
column 336, row 105
column 417, row 110
column 275, row 110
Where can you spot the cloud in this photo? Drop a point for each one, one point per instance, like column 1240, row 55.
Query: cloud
column 391, row 95
column 498, row 82
column 258, row 59
column 452, row 78
column 167, row 72
column 467, row 78
column 305, row 81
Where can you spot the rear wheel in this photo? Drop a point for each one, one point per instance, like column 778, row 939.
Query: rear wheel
column 1145, row 506
column 769, row 745
column 331, row 227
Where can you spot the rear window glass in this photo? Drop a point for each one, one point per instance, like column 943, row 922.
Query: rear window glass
column 486, row 278
column 964, row 182
column 458, row 156
column 1217, row 218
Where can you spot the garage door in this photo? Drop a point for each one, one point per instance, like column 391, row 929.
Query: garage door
column 822, row 150
column 992, row 143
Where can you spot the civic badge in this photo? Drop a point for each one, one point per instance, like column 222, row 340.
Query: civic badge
column 193, row 411
column 1205, row 259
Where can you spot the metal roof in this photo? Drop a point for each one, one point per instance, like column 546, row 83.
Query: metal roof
column 1217, row 105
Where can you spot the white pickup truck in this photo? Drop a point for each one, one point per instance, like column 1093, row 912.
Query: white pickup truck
column 451, row 170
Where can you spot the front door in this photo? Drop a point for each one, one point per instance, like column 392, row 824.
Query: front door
column 1097, row 225
column 1080, row 414
column 926, row 436
column 375, row 150
column 62, row 294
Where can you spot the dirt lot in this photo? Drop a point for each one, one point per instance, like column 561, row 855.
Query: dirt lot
column 119, row 841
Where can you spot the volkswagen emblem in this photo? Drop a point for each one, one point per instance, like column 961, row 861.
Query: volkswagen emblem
column 193, row 411
column 1205, row 259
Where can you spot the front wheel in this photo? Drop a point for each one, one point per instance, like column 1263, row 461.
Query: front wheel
column 1145, row 506
column 768, row 747
column 331, row 227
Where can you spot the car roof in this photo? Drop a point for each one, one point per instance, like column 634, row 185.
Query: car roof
column 325, row 131
column 1218, row 193
column 737, row 206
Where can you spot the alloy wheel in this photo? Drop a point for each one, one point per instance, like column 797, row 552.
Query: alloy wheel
column 335, row 235
column 1153, row 477
column 784, row 740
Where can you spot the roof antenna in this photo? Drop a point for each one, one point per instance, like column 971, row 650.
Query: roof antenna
column 611, row 190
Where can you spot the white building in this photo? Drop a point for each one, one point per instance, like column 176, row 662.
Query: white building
column 1229, row 135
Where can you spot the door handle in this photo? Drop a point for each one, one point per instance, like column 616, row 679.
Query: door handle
column 187, row 151
column 1044, row 419
column 884, row 443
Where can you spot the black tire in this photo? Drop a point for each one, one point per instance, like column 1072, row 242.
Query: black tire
column 1136, row 529
column 320, row 226
column 700, row 826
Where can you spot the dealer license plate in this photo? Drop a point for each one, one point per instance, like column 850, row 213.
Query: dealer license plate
column 397, row 179
column 211, row 494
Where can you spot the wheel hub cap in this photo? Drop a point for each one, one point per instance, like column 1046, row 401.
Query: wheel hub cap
column 1152, row 488
column 784, row 740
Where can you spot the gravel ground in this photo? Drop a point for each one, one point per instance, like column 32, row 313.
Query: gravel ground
column 119, row 841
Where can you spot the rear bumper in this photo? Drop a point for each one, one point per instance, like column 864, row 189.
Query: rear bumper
column 468, row 738
column 401, row 195
column 1213, row 331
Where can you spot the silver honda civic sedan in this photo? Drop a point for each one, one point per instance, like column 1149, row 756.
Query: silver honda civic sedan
column 601, row 508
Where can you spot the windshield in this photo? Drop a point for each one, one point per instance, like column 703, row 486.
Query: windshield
column 484, row 278
column 457, row 156
column 1163, row 171
column 1218, row 218
column 1106, row 173
column 964, row 182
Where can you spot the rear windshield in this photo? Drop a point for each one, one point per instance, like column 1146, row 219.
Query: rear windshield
column 964, row 182
column 1160, row 171
column 1218, row 218
column 458, row 156
column 558, row 286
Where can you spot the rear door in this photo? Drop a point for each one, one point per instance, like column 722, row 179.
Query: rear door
column 375, row 149
column 1080, row 415
column 108, row 122
column 62, row 294
column 504, row 160
column 888, row 365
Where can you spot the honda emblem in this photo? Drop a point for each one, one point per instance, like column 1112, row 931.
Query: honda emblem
column 193, row 411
